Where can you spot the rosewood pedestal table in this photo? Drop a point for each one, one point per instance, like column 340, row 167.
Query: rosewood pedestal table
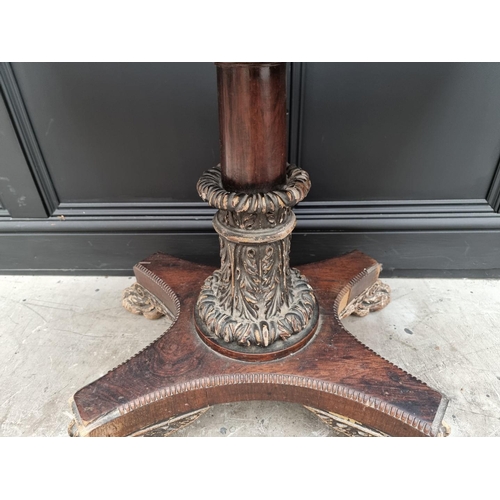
column 256, row 329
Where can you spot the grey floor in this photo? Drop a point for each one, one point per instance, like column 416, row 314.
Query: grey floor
column 59, row 333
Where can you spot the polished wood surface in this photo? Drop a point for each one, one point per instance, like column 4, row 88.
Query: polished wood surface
column 256, row 301
column 252, row 120
column 179, row 374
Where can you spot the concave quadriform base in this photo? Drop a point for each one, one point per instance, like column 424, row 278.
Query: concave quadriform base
column 173, row 380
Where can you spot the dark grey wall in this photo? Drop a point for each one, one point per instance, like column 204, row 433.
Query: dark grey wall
column 401, row 131
column 99, row 162
column 123, row 132
column 17, row 188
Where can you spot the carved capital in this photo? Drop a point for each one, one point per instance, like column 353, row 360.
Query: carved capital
column 295, row 190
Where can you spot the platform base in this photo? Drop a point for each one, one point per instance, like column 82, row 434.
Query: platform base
column 173, row 380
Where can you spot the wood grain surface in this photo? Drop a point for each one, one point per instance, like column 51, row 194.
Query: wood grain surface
column 334, row 372
column 252, row 121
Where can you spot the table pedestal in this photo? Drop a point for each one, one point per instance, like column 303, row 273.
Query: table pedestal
column 176, row 378
column 256, row 329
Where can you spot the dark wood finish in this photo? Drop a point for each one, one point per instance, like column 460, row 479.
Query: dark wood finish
column 277, row 351
column 255, row 298
column 255, row 301
column 334, row 372
column 252, row 121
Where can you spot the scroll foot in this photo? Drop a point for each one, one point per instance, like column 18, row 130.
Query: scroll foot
column 344, row 425
column 137, row 300
column 171, row 425
column 351, row 428
column 372, row 299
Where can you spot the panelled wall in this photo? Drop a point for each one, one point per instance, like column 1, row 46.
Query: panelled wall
column 99, row 163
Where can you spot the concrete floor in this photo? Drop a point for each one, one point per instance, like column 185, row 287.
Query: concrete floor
column 57, row 334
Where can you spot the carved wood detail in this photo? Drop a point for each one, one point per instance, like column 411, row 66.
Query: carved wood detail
column 344, row 425
column 372, row 299
column 352, row 428
column 255, row 307
column 255, row 298
column 171, row 425
column 334, row 372
column 137, row 300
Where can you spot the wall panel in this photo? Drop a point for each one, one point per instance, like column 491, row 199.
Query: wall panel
column 403, row 160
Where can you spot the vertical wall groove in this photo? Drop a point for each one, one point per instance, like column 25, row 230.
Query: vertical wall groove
column 295, row 111
column 493, row 197
column 27, row 138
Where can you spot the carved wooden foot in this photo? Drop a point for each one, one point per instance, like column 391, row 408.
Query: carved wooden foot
column 162, row 429
column 137, row 300
column 372, row 299
column 345, row 426
column 333, row 372
column 350, row 428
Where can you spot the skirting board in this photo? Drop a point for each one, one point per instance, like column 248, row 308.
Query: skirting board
column 473, row 254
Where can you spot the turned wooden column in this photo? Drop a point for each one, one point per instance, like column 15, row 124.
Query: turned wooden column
column 252, row 121
column 255, row 298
